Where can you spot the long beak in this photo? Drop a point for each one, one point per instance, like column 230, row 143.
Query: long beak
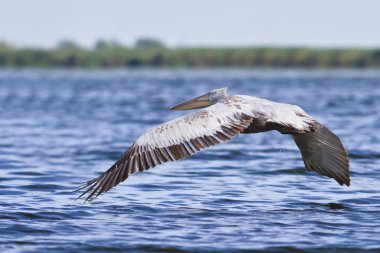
column 198, row 102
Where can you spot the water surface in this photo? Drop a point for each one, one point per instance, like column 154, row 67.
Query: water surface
column 61, row 127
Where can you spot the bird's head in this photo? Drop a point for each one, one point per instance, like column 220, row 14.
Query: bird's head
column 205, row 100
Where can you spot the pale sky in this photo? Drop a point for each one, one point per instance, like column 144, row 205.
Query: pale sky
column 323, row 23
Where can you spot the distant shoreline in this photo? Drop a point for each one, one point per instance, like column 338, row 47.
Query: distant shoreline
column 197, row 57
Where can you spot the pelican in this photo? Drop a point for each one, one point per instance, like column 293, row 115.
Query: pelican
column 223, row 118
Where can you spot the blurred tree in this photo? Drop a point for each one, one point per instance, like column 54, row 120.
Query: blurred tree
column 101, row 44
column 150, row 52
column 104, row 44
column 67, row 44
column 116, row 44
column 144, row 43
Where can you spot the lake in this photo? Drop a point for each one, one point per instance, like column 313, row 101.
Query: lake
column 59, row 128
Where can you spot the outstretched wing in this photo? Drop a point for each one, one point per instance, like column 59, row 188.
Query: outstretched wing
column 323, row 152
column 321, row 149
column 171, row 141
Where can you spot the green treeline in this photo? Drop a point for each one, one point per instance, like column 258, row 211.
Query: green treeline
column 150, row 53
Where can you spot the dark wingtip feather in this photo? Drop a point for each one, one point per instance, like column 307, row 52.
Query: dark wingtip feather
column 323, row 152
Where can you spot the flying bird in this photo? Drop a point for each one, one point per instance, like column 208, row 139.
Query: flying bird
column 223, row 118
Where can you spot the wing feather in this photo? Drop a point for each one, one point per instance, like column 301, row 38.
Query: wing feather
column 171, row 141
column 323, row 152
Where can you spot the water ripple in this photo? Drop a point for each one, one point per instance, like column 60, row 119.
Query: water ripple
column 60, row 128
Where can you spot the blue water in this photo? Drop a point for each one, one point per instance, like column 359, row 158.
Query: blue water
column 59, row 128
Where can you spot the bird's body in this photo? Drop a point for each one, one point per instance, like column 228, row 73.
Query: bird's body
column 224, row 118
